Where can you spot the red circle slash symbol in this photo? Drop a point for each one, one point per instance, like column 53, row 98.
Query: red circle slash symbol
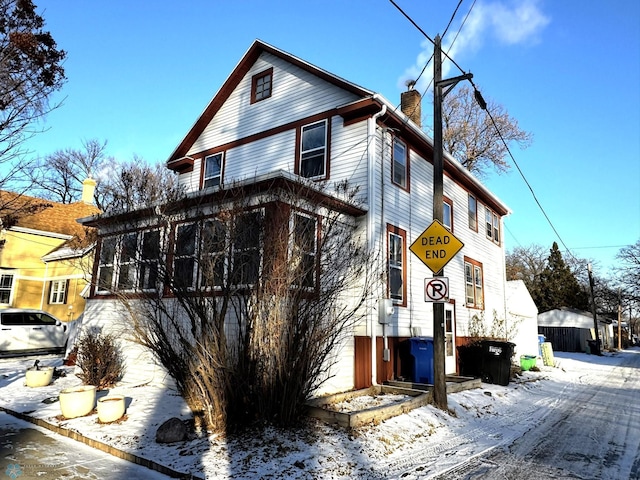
column 437, row 289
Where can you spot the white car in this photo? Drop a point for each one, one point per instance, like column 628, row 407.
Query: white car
column 30, row 331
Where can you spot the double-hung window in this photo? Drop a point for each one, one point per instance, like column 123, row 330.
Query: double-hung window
column 6, row 288
column 212, row 254
column 149, row 259
column 493, row 225
column 213, row 170
column 304, row 249
column 396, row 259
column 106, row 263
column 246, row 248
column 184, row 256
column 127, row 262
column 473, row 283
column 399, row 164
column 473, row 213
column 58, row 292
column 313, row 150
column 447, row 213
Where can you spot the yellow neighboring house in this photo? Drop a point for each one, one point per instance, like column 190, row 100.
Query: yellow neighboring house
column 45, row 255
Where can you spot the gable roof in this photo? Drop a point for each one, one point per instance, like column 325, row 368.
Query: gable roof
column 569, row 317
column 42, row 215
column 368, row 104
column 257, row 48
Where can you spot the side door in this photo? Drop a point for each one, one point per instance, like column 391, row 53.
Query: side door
column 14, row 334
column 450, row 339
column 45, row 332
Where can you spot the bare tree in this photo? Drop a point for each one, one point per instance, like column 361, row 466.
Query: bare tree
column 59, row 176
column 527, row 264
column 121, row 186
column 249, row 307
column 627, row 277
column 628, row 270
column 136, row 184
column 470, row 136
column 30, row 72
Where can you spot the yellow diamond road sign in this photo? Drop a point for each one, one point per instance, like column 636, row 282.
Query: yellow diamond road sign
column 436, row 246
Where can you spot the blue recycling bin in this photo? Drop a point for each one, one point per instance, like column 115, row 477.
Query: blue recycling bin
column 421, row 352
column 541, row 340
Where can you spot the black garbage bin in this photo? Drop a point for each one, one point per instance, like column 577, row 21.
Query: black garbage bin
column 496, row 361
column 470, row 360
column 421, row 354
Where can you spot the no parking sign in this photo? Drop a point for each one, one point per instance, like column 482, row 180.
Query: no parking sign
column 436, row 289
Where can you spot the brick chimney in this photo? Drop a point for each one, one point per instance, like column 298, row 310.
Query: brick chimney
column 88, row 188
column 410, row 105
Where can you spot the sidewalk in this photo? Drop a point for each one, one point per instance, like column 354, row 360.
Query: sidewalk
column 148, row 406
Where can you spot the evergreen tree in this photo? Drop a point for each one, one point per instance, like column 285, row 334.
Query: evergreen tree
column 558, row 287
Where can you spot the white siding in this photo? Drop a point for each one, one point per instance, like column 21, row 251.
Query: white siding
column 413, row 212
column 296, row 95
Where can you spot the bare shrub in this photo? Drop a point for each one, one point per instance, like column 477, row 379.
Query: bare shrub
column 100, row 359
column 248, row 310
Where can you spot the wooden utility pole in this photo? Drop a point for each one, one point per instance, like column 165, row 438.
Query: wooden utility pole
column 619, row 321
column 593, row 310
column 439, row 375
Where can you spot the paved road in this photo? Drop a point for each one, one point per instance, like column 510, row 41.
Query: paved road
column 30, row 452
column 593, row 432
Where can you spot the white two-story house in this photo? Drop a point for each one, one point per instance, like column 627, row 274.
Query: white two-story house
column 278, row 117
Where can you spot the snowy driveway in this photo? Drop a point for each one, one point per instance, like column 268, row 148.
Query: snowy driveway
column 578, row 420
column 591, row 430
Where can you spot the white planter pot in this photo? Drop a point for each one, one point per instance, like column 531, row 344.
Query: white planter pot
column 39, row 378
column 77, row 401
column 110, row 408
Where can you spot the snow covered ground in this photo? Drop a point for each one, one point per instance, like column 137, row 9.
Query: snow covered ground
column 422, row 443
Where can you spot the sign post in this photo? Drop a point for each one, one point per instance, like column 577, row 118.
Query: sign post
column 436, row 289
column 439, row 377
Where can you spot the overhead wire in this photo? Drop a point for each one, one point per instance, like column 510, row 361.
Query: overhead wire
column 453, row 15
column 483, row 105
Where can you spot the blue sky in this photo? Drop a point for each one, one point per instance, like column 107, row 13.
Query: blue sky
column 140, row 73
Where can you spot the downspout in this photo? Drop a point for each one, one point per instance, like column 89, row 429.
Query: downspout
column 504, row 286
column 371, row 147
column 44, row 284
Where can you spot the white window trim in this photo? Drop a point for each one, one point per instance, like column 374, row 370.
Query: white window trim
column 57, row 295
column 396, row 266
column 445, row 217
column 492, row 225
column 11, row 289
column 212, row 177
column 476, row 284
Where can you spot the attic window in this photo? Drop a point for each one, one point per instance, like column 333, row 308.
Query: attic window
column 261, row 85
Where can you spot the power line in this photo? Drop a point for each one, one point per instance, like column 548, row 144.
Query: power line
column 495, row 125
column 483, row 105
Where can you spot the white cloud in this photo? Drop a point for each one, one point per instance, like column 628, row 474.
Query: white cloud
column 509, row 23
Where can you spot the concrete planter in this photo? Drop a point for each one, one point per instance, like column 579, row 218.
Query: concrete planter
column 110, row 408
column 77, row 401
column 39, row 378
